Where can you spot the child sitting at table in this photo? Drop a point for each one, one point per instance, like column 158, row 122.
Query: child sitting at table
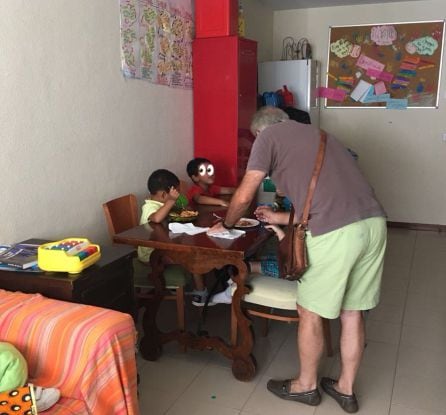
column 204, row 191
column 163, row 186
column 267, row 265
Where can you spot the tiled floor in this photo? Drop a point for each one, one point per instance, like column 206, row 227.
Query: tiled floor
column 403, row 371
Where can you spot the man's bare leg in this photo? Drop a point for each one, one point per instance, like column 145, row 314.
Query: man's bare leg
column 310, row 342
column 352, row 348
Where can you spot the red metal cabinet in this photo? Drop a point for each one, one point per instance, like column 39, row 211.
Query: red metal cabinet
column 225, row 91
column 216, row 18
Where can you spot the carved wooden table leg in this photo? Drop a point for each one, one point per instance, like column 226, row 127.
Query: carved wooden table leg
column 243, row 365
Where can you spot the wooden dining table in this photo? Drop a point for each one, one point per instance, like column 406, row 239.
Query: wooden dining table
column 199, row 254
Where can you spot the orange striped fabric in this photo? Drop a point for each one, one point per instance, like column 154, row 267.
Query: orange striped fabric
column 87, row 352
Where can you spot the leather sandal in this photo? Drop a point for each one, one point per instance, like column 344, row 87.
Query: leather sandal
column 282, row 388
column 347, row 402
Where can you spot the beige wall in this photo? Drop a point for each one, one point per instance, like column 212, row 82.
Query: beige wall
column 74, row 132
column 259, row 26
column 401, row 152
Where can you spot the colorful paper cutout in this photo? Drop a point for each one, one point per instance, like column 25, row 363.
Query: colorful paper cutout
column 331, row 93
column 366, row 63
column 341, row 48
column 381, row 75
column 361, row 90
column 383, row 35
column 397, row 104
column 380, row 88
column 376, row 98
column 356, row 51
column 425, row 45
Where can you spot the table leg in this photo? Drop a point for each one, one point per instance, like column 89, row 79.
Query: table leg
column 243, row 363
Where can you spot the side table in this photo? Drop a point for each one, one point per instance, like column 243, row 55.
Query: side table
column 108, row 283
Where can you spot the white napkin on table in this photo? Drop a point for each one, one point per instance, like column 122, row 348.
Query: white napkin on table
column 228, row 234
column 188, row 228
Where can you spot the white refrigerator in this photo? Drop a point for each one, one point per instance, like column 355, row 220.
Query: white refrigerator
column 301, row 77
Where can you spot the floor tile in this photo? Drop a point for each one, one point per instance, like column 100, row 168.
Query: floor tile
column 217, row 385
column 433, row 302
column 156, row 402
column 431, row 336
column 382, row 331
column 414, row 361
column 387, row 313
column 419, row 392
column 169, row 374
column 189, row 406
column 397, row 409
column 394, row 297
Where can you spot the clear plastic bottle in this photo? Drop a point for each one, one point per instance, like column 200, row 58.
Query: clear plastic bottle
column 241, row 21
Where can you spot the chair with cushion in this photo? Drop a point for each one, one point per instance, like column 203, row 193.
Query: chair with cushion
column 122, row 214
column 274, row 299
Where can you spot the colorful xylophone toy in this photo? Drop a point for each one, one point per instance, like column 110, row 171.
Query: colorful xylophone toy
column 70, row 255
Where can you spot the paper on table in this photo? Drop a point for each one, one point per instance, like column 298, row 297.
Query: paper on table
column 229, row 234
column 188, row 228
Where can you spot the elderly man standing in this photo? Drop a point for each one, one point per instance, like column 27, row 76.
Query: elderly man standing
column 346, row 241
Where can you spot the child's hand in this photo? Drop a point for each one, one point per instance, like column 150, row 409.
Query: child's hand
column 264, row 214
column 278, row 231
column 173, row 194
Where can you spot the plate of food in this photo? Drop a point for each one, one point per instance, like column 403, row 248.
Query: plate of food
column 245, row 223
column 183, row 216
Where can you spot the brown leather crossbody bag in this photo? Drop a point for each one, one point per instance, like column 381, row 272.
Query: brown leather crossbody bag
column 293, row 257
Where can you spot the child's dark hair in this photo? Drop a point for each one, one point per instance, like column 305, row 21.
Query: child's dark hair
column 162, row 179
column 193, row 165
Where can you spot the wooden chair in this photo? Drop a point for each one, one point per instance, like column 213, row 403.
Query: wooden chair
column 273, row 299
column 122, row 214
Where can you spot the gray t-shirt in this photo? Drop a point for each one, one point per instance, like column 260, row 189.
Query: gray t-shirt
column 287, row 152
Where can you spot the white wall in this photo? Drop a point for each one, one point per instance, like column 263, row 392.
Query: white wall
column 401, row 152
column 259, row 26
column 75, row 133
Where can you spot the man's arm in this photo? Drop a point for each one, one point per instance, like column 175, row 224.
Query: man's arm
column 242, row 199
column 209, row 200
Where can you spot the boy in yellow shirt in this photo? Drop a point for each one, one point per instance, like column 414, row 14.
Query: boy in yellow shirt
column 164, row 186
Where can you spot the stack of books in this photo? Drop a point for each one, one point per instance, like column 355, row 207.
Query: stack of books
column 19, row 257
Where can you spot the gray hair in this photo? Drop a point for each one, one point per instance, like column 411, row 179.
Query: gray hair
column 267, row 116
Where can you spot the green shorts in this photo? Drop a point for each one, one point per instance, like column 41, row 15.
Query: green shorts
column 345, row 268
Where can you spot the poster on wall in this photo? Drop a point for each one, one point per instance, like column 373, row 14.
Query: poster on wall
column 156, row 41
column 391, row 65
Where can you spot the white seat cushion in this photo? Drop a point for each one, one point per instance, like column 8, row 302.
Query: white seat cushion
column 272, row 292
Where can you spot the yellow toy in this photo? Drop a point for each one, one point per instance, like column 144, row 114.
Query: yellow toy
column 70, row 255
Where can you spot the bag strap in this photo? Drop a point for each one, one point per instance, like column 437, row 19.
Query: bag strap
column 313, row 182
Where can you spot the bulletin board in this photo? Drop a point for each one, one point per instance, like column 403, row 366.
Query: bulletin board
column 391, row 65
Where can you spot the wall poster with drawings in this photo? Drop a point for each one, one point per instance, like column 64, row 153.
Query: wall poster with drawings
column 156, row 41
column 390, row 65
